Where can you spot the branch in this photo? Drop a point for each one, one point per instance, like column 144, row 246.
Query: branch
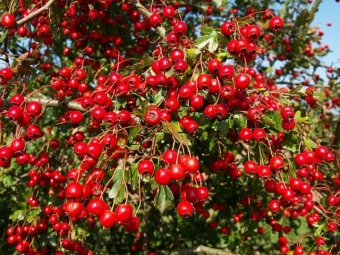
column 35, row 13
column 204, row 249
column 315, row 7
column 145, row 12
column 50, row 103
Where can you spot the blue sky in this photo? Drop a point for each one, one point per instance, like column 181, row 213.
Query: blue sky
column 329, row 11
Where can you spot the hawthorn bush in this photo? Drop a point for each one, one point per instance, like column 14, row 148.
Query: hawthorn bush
column 167, row 127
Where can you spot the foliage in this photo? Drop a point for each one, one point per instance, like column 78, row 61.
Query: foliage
column 152, row 127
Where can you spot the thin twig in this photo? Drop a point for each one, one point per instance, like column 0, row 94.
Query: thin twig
column 145, row 12
column 51, row 103
column 203, row 249
column 35, row 13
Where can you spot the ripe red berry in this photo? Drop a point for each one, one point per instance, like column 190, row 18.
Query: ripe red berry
column 276, row 163
column 162, row 176
column 146, row 167
column 228, row 28
column 274, row 205
column 8, row 20
column 155, row 20
column 123, row 212
column 107, row 219
column 246, row 134
column 185, row 209
column 276, row 24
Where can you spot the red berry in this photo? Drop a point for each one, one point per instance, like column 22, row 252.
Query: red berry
column 276, row 24
column 123, row 212
column 185, row 209
column 8, row 20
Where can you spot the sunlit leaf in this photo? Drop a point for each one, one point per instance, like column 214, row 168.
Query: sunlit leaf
column 163, row 199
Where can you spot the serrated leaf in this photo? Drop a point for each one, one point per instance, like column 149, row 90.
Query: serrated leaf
column 17, row 215
column 319, row 95
column 209, row 37
column 157, row 98
column 32, row 215
column 133, row 147
column 202, row 41
column 120, row 102
column 272, row 119
column 163, row 199
column 207, row 30
column 213, row 45
column 3, row 35
column 185, row 139
column 239, row 120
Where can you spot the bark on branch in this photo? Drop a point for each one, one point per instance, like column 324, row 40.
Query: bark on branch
column 51, row 103
column 35, row 13
column 145, row 12
column 203, row 249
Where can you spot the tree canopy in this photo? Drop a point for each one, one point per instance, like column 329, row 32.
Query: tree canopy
column 167, row 127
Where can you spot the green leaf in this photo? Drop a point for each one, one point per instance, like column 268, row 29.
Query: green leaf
column 213, row 45
column 319, row 230
column 240, row 120
column 296, row 90
column 7, row 181
column 145, row 62
column 159, row 136
column 222, row 55
column 175, row 130
column 298, row 117
column 163, row 199
column 272, row 119
column 207, row 30
column 209, row 37
column 290, row 142
column 309, row 143
column 192, row 55
column 223, row 127
column 17, row 215
column 117, row 179
column 134, row 176
column 121, row 102
column 32, row 215
column 319, row 95
column 212, row 145
column 121, row 195
column 153, row 184
column 157, row 98
column 115, row 189
column 133, row 132
column 3, row 35
column 144, row 105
